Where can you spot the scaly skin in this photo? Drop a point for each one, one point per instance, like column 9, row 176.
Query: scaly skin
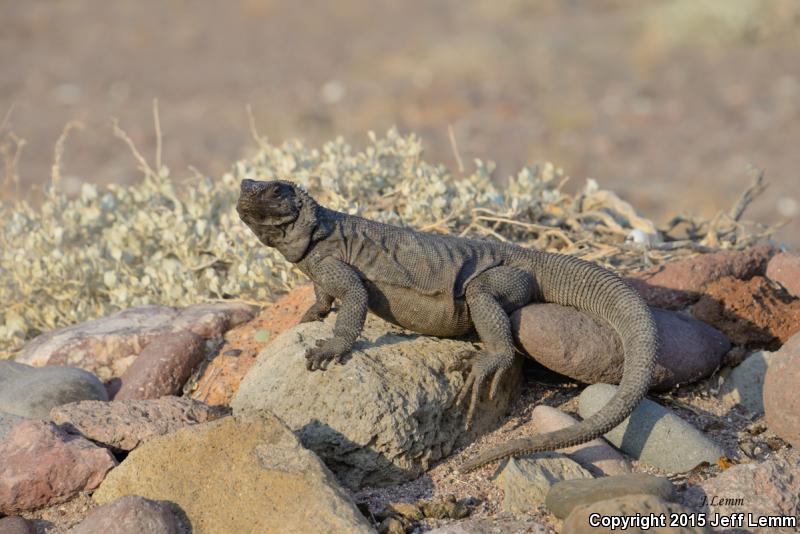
column 447, row 286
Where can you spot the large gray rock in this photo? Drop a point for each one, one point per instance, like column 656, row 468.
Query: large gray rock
column 767, row 489
column 32, row 392
column 384, row 415
column 587, row 349
column 631, row 506
column 131, row 515
column 744, row 384
column 564, row 496
column 525, row 481
column 107, row 346
column 248, row 474
column 652, row 433
column 597, row 456
column 125, row 424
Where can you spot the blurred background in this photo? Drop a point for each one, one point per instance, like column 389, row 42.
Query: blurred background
column 671, row 103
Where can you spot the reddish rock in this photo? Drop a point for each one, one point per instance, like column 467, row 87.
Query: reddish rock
column 769, row 488
column 44, row 465
column 222, row 376
column 107, row 346
column 752, row 313
column 781, row 400
column 784, row 268
column 586, row 349
column 131, row 514
column 597, row 455
column 16, row 525
column 677, row 284
column 163, row 367
column 125, row 424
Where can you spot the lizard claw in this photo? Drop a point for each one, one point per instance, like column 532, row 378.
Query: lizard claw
column 326, row 350
column 484, row 367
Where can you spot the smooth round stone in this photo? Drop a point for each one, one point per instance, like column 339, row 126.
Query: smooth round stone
column 564, row 496
column 652, row 433
column 33, row 391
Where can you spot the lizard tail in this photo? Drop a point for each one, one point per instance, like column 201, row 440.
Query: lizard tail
column 590, row 288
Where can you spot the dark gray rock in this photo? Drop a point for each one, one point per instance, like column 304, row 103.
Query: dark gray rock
column 584, row 348
column 130, row 515
column 32, row 392
column 382, row 417
column 525, row 481
column 564, row 496
column 653, row 434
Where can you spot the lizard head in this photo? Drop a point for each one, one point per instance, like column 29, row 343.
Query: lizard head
column 273, row 203
column 280, row 214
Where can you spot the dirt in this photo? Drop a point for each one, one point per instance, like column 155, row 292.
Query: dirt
column 667, row 101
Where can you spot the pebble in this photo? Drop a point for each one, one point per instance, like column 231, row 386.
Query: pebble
column 744, row 384
column 123, row 425
column 581, row 347
column 781, row 398
column 163, row 366
column 564, row 496
column 32, row 392
column 131, row 515
column 44, row 465
column 653, row 434
column 525, row 481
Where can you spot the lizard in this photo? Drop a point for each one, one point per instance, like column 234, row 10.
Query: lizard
column 446, row 286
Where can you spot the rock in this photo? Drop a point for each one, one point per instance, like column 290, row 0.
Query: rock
column 498, row 525
column 44, row 465
column 444, row 508
column 781, row 400
column 391, row 525
column 163, row 367
column 130, row 515
column 382, row 417
column 578, row 522
column 30, row 392
column 248, row 474
column 597, row 456
column 123, row 425
column 564, row 496
column 7, row 422
column 525, row 481
column 587, row 349
column 770, row 488
column 784, row 268
column 752, row 313
column 653, row 434
column 107, row 346
column 678, row 284
column 242, row 344
column 744, row 384
column 16, row 525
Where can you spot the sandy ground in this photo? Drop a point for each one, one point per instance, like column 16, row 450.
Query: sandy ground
column 669, row 102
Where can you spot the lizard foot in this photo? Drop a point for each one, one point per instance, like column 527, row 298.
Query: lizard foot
column 485, row 366
column 325, row 351
column 314, row 313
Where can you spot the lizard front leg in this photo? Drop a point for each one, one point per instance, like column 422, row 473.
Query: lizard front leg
column 340, row 281
column 321, row 307
column 491, row 296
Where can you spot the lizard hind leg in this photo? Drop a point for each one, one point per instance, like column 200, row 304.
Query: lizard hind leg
column 491, row 296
